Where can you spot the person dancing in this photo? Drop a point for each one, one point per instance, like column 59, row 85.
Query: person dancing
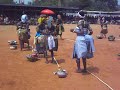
column 84, row 44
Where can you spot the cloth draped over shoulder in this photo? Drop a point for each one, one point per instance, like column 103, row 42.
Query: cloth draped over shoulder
column 90, row 46
column 89, row 39
column 84, row 43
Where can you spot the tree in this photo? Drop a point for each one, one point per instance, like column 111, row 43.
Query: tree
column 82, row 4
column 45, row 2
column 112, row 4
column 6, row 1
column 104, row 5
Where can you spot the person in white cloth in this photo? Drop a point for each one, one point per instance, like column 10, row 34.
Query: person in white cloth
column 84, row 44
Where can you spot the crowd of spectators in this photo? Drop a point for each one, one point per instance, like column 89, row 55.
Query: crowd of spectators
column 68, row 19
column 92, row 19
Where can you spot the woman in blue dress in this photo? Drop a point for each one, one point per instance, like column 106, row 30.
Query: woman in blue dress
column 84, row 44
column 80, row 48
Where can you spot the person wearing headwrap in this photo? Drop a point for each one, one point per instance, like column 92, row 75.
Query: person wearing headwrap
column 24, row 24
column 84, row 44
column 24, row 18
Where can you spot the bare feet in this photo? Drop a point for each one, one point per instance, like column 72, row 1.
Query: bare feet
column 46, row 62
column 84, row 71
column 78, row 71
column 53, row 61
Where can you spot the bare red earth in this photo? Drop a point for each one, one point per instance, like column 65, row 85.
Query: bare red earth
column 16, row 73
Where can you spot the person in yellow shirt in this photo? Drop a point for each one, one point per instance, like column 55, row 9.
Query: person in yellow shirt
column 41, row 19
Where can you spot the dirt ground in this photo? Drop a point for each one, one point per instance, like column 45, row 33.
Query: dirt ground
column 16, row 73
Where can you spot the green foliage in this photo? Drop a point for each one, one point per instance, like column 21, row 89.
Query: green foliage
column 104, row 5
column 82, row 4
column 6, row 1
column 45, row 2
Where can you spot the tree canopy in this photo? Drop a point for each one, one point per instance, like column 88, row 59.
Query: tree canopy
column 6, row 1
column 103, row 5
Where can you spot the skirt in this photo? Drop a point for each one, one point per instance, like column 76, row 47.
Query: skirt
column 104, row 31
column 80, row 48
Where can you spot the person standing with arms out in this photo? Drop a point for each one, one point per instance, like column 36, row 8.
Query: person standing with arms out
column 59, row 26
column 84, row 45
